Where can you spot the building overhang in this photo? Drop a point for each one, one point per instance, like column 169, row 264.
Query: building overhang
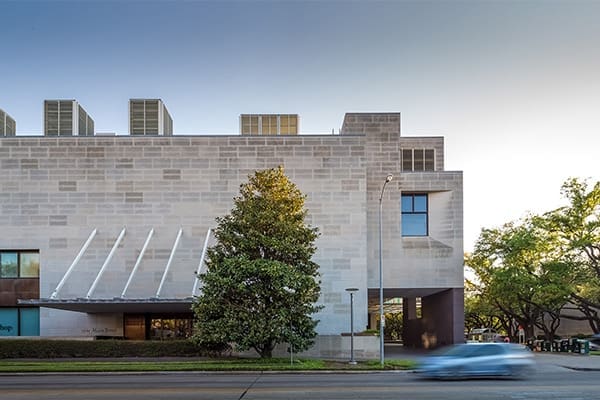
column 115, row 305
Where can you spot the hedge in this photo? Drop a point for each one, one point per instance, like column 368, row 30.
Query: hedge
column 10, row 348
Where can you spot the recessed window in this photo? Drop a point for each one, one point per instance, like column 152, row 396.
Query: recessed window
column 415, row 160
column 414, row 214
column 19, row 264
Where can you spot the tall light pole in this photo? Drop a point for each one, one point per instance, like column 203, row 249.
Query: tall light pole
column 381, row 316
column 351, row 291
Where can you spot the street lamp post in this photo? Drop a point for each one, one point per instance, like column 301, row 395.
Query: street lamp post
column 291, row 292
column 381, row 316
column 351, row 291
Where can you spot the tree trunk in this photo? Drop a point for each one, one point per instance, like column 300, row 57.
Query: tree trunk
column 265, row 350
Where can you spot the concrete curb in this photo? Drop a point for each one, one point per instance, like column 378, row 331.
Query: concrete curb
column 326, row 372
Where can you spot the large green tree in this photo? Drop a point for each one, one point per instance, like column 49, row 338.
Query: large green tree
column 578, row 228
column 522, row 273
column 261, row 285
column 544, row 268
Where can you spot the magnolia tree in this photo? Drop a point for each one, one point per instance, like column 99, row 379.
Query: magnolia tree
column 261, row 284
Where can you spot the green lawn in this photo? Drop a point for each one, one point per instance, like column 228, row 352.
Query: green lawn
column 209, row 365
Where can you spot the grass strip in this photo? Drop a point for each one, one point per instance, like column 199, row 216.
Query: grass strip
column 209, row 365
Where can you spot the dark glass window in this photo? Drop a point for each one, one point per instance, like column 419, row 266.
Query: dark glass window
column 414, row 215
column 170, row 328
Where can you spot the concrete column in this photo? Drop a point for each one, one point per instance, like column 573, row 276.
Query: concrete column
column 411, row 331
column 409, row 308
column 443, row 318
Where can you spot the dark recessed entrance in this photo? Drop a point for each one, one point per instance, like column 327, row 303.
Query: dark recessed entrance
column 157, row 326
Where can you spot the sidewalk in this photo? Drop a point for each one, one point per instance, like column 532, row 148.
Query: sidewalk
column 572, row 361
column 569, row 360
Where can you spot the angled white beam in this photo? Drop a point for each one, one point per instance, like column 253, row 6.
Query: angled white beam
column 162, row 281
column 197, row 280
column 138, row 262
column 73, row 264
column 108, row 258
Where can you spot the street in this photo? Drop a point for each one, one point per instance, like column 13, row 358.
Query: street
column 550, row 383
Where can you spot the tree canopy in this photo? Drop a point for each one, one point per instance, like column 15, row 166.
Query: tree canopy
column 261, row 285
column 533, row 269
column 578, row 229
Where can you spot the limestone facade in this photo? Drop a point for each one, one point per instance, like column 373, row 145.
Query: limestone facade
column 54, row 191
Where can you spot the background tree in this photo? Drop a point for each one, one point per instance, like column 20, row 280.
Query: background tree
column 578, row 228
column 261, row 284
column 522, row 274
column 481, row 313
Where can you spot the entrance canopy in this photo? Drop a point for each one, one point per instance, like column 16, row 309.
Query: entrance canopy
column 116, row 305
column 114, row 300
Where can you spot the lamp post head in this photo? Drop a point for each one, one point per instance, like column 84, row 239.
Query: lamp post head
column 389, row 178
column 351, row 289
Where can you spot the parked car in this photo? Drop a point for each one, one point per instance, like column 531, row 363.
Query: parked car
column 594, row 342
column 482, row 335
column 479, row 360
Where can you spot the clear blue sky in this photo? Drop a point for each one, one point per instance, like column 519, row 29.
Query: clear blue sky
column 513, row 86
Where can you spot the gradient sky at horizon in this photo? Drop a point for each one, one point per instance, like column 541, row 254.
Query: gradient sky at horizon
column 514, row 87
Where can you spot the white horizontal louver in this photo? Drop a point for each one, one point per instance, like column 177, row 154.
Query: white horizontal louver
column 136, row 117
column 11, row 127
column 65, row 117
column 51, row 117
column 149, row 117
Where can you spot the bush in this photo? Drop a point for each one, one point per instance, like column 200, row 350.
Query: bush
column 13, row 348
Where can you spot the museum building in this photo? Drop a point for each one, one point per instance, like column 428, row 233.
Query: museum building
column 102, row 236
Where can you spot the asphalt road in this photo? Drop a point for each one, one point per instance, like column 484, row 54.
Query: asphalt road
column 550, row 383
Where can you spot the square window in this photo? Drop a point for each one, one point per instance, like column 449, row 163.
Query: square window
column 420, row 203
column 407, row 204
column 8, row 265
column 29, row 265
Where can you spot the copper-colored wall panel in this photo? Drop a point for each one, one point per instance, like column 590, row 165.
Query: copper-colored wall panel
column 13, row 289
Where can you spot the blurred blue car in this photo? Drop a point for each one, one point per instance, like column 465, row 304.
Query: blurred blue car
column 479, row 360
